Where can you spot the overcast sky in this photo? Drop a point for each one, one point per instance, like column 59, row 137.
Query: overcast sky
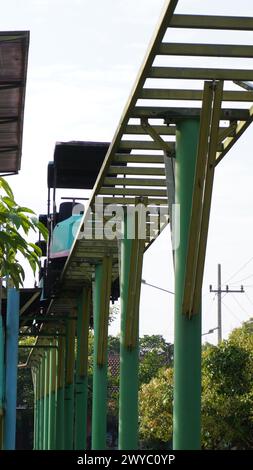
column 83, row 59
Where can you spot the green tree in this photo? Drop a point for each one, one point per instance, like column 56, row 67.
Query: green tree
column 155, row 353
column 227, row 398
column 16, row 222
column 156, row 400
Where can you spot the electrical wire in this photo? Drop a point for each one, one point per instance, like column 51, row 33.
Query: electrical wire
column 241, row 280
column 156, row 287
column 240, row 269
column 238, row 303
column 234, row 315
column 247, row 297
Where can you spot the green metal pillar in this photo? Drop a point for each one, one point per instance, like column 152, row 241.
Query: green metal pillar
column 130, row 282
column 101, row 301
column 52, row 400
column 12, row 332
column 1, row 376
column 69, row 386
column 187, row 348
column 81, row 391
column 60, row 394
column 35, row 408
column 42, row 402
column 46, row 401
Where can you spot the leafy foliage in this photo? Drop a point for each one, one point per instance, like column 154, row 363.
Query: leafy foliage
column 227, row 400
column 155, row 353
column 227, row 396
column 156, row 407
column 25, row 386
column 16, row 222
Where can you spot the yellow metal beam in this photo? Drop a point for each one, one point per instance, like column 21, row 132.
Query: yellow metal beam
column 86, row 305
column 61, row 362
column 135, row 181
column 236, row 23
column 133, row 158
column 70, row 352
column 134, row 284
column 203, row 184
column 184, row 95
column 104, row 310
column 207, row 50
column 202, row 155
column 201, row 73
column 134, row 192
column 207, row 198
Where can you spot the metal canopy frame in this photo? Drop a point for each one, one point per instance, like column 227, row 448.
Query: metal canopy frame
column 146, row 129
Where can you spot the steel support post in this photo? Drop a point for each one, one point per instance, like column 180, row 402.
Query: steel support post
column 60, row 394
column 2, row 365
column 187, row 348
column 35, row 408
column 52, row 400
column 69, row 386
column 38, row 408
column 12, row 330
column 46, row 401
column 42, row 402
column 132, row 247
column 101, row 301
column 37, row 423
column 81, row 390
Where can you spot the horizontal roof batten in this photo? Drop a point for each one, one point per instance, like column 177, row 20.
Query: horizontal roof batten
column 131, row 170
column 132, row 201
column 145, row 145
column 162, row 130
column 192, row 95
column 201, row 73
column 133, row 192
column 237, row 23
column 168, row 112
column 207, row 50
column 135, row 181
column 132, row 158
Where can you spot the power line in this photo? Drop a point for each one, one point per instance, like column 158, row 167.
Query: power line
column 156, row 287
column 240, row 269
column 238, row 303
column 249, row 299
column 244, row 279
column 210, row 331
column 234, row 315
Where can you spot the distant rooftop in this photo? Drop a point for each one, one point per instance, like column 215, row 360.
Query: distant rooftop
column 13, row 70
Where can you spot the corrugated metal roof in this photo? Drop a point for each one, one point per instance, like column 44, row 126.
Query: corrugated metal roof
column 13, row 70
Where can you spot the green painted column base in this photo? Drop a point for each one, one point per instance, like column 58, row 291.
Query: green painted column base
column 69, row 417
column 99, row 404
column 128, row 405
column 52, row 422
column 59, row 437
column 81, row 413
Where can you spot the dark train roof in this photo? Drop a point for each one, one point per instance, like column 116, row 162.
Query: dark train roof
column 76, row 164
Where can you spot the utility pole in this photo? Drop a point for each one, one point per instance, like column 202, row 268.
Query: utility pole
column 219, row 291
